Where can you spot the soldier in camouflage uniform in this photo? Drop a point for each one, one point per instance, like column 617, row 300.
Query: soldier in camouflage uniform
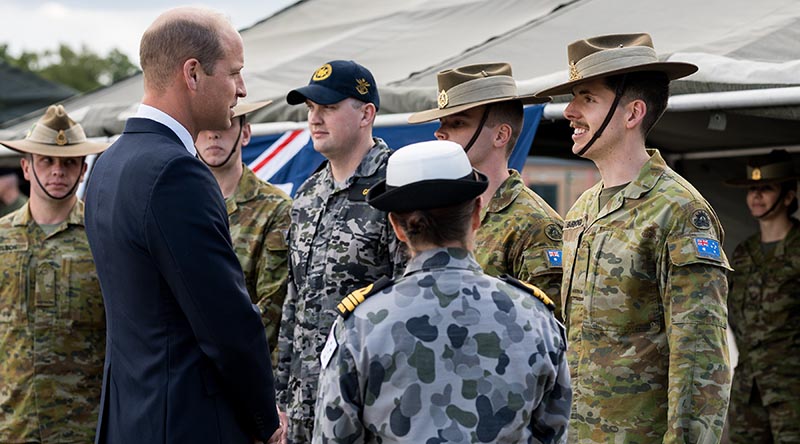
column 446, row 353
column 337, row 242
column 764, row 308
column 51, row 310
column 644, row 271
column 258, row 215
column 520, row 233
column 10, row 197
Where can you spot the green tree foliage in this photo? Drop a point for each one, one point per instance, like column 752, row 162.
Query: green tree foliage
column 83, row 70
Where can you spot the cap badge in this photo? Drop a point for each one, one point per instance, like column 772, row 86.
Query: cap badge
column 443, row 99
column 362, row 86
column 322, row 73
column 61, row 138
column 756, row 175
column 573, row 72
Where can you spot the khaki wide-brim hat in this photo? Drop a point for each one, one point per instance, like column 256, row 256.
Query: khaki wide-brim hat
column 56, row 135
column 472, row 86
column 775, row 167
column 614, row 54
column 242, row 109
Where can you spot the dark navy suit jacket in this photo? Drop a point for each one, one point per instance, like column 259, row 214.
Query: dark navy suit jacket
column 186, row 356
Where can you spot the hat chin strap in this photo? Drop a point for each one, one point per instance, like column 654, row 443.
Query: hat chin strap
column 617, row 97
column 69, row 193
column 235, row 143
column 775, row 205
column 480, row 128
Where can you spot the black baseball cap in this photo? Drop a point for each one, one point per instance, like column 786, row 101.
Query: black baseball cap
column 335, row 81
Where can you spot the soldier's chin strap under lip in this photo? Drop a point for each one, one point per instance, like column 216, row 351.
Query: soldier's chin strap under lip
column 480, row 128
column 775, row 205
column 69, row 193
column 235, row 143
column 617, row 97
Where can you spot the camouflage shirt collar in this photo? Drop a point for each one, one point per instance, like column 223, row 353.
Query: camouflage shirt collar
column 75, row 217
column 247, row 188
column 753, row 243
column 372, row 161
column 442, row 258
column 505, row 194
column 648, row 176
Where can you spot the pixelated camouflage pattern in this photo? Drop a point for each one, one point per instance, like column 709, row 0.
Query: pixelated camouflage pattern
column 513, row 237
column 337, row 244
column 447, row 354
column 258, row 214
column 646, row 316
column 764, row 313
column 52, row 332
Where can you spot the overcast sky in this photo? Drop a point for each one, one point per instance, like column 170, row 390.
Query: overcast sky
column 35, row 25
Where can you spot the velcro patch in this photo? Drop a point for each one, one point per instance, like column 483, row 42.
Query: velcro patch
column 707, row 248
column 553, row 258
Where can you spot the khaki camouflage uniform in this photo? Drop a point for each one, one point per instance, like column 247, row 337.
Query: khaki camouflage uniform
column 520, row 235
column 446, row 354
column 764, row 304
column 338, row 243
column 646, row 313
column 258, row 214
column 52, row 332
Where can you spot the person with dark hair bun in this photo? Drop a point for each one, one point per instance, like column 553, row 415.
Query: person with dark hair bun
column 445, row 352
column 764, row 308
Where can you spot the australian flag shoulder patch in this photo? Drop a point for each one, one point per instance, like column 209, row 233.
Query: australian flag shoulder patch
column 707, row 248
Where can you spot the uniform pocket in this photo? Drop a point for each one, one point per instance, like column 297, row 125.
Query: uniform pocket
column 622, row 286
column 13, row 304
column 82, row 296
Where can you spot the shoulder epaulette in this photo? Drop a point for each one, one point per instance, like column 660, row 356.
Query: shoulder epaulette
column 528, row 288
column 351, row 301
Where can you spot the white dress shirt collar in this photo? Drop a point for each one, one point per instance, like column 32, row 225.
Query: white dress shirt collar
column 149, row 112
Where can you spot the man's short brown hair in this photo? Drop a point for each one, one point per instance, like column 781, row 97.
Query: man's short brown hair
column 509, row 112
column 166, row 46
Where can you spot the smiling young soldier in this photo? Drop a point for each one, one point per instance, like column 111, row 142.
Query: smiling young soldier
column 644, row 272
column 520, row 234
column 258, row 215
column 764, row 308
column 52, row 325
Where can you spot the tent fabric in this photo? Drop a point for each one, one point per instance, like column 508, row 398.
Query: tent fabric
column 739, row 44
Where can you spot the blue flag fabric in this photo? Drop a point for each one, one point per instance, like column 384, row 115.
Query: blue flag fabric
column 287, row 159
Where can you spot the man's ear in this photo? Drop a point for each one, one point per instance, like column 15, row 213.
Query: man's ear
column 368, row 114
column 246, row 132
column 502, row 135
column 398, row 231
column 24, row 163
column 191, row 70
column 635, row 112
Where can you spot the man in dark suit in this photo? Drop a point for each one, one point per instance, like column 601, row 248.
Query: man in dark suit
column 186, row 356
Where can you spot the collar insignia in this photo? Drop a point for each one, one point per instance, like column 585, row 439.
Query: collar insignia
column 363, row 86
column 443, row 99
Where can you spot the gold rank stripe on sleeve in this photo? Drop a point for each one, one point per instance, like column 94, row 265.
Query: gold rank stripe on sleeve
column 349, row 303
column 532, row 289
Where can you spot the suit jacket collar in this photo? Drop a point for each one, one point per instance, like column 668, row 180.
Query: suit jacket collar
column 138, row 125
